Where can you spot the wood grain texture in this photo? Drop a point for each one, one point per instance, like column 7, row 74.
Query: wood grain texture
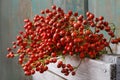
column 46, row 76
column 118, row 49
column 38, row 5
column 106, row 69
column 12, row 13
column 75, row 6
column 115, row 58
column 88, row 70
column 110, row 9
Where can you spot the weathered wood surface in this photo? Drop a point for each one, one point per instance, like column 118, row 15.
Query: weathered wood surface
column 115, row 58
column 92, row 70
column 88, row 70
column 110, row 9
column 46, row 76
column 118, row 49
column 12, row 13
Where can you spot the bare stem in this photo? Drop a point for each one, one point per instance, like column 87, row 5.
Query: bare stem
column 110, row 49
column 78, row 65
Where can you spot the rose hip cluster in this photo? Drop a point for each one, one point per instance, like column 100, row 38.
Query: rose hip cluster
column 57, row 33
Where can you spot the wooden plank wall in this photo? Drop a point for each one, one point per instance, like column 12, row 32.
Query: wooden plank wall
column 110, row 9
column 12, row 13
column 88, row 70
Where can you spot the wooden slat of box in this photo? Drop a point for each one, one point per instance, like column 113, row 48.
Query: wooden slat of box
column 89, row 70
column 108, row 68
column 114, row 58
column 46, row 76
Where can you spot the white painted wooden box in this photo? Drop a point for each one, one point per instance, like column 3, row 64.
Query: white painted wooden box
column 107, row 68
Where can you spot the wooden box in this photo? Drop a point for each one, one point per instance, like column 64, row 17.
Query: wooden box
column 107, row 68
